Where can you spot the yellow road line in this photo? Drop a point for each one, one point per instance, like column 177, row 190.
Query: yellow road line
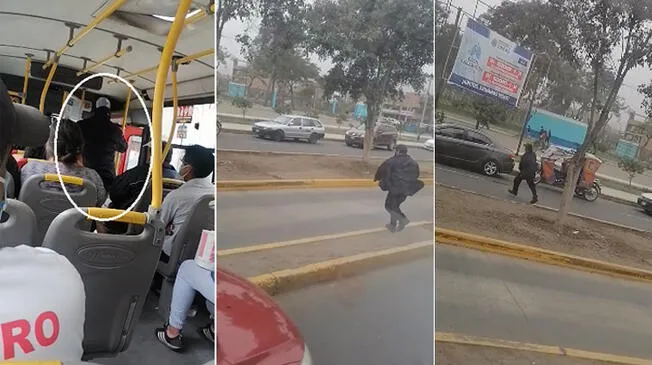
column 486, row 244
column 456, row 338
column 284, row 280
column 327, row 237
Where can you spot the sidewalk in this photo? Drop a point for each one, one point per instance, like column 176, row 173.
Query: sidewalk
column 246, row 129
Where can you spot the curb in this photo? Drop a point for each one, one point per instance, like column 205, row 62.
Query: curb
column 490, row 245
column 285, row 280
column 618, row 225
column 282, row 153
column 327, row 138
column 602, row 196
column 236, row 185
column 460, row 339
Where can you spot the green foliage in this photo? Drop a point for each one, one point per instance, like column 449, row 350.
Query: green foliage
column 283, row 108
column 341, row 118
column 632, row 167
column 488, row 112
column 440, row 117
column 242, row 104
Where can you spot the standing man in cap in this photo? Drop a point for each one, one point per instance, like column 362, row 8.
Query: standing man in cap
column 399, row 177
column 103, row 139
column 43, row 299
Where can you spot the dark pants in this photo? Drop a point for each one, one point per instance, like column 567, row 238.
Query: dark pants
column 529, row 178
column 393, row 206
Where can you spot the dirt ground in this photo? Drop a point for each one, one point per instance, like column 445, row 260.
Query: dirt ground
column 267, row 166
column 454, row 354
column 525, row 224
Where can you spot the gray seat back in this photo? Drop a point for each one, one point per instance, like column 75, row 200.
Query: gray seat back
column 117, row 271
column 10, row 186
column 47, row 203
column 17, row 225
column 187, row 239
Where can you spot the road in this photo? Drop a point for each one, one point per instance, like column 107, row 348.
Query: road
column 493, row 296
column 383, row 317
column 498, row 186
column 254, row 217
column 248, row 142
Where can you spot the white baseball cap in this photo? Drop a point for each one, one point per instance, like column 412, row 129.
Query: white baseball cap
column 103, row 102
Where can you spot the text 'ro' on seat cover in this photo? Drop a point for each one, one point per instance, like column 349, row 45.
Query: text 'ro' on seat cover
column 17, row 225
column 47, row 203
column 117, row 271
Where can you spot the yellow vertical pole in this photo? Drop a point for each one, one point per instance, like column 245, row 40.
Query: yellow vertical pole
column 28, row 69
column 175, row 108
column 157, row 104
column 46, row 86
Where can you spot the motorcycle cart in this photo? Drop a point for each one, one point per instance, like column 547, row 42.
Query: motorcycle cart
column 553, row 172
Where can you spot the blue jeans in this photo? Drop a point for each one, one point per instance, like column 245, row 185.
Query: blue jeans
column 191, row 278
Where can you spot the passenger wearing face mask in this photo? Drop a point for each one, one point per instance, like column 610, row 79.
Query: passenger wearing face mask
column 198, row 164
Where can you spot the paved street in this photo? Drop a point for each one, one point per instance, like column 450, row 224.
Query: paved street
column 249, row 142
column 253, row 217
column 492, row 296
column 498, row 186
column 382, row 318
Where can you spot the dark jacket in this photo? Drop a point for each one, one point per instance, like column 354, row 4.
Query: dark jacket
column 399, row 175
column 14, row 170
column 102, row 140
column 528, row 165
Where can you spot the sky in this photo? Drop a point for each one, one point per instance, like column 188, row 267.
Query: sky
column 635, row 77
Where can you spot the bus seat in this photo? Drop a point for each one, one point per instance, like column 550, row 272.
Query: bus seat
column 141, row 207
column 184, row 247
column 117, row 272
column 11, row 186
column 48, row 203
column 17, row 225
column 170, row 184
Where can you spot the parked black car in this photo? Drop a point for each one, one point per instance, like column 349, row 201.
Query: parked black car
column 465, row 147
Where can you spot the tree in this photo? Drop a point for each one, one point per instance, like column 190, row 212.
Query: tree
column 228, row 10
column 374, row 48
column 341, row 118
column 488, row 112
column 242, row 104
column 595, row 29
column 632, row 167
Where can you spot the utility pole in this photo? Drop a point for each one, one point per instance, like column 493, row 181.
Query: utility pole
column 441, row 82
column 529, row 110
column 425, row 106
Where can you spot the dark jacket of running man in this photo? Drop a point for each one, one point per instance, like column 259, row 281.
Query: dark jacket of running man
column 103, row 139
column 527, row 171
column 399, row 176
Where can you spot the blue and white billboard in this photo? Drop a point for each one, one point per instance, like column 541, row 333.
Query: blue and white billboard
column 490, row 65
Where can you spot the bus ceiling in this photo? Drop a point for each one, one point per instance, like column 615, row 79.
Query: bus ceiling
column 122, row 37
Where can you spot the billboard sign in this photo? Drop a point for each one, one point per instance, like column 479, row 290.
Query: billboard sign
column 184, row 114
column 490, row 65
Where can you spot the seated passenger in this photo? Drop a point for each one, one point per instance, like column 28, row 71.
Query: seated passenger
column 37, row 153
column 198, row 163
column 43, row 300
column 128, row 185
column 191, row 278
column 14, row 170
column 70, row 148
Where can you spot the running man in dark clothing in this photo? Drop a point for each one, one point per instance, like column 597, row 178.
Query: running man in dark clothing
column 103, row 139
column 527, row 171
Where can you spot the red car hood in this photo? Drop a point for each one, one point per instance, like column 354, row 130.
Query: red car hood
column 251, row 328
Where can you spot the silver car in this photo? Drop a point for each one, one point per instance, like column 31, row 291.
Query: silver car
column 294, row 127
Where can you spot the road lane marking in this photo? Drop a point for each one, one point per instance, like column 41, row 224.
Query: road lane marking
column 460, row 339
column 327, row 237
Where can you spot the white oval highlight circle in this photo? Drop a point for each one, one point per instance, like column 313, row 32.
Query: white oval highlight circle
column 56, row 138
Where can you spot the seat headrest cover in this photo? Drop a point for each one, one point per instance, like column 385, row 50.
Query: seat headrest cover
column 31, row 127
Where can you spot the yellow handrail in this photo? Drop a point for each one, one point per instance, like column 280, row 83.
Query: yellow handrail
column 131, row 217
column 72, row 180
column 46, row 86
column 197, row 17
column 124, row 122
column 175, row 108
column 157, row 104
column 195, row 56
column 84, row 31
column 28, row 69
column 104, row 60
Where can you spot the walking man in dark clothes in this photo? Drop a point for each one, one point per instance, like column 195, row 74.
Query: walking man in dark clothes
column 399, row 177
column 102, row 139
column 527, row 170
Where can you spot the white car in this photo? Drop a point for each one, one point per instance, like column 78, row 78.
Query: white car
column 294, row 127
column 429, row 144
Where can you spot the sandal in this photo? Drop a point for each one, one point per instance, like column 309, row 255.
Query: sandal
column 173, row 343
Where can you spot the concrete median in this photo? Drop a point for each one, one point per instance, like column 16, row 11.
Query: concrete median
column 239, row 185
column 490, row 245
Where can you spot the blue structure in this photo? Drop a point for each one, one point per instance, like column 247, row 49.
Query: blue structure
column 236, row 90
column 566, row 132
column 360, row 111
column 626, row 149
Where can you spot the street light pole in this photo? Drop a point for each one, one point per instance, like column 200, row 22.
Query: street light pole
column 425, row 106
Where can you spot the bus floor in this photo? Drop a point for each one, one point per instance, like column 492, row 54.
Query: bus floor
column 145, row 349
